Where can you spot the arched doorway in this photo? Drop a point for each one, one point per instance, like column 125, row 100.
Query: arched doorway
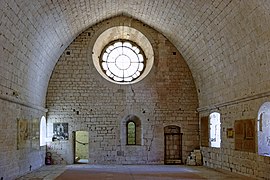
column 173, row 145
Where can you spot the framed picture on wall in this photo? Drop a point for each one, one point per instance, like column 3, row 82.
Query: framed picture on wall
column 229, row 132
column 245, row 135
column 34, row 133
column 249, row 130
column 60, row 131
column 22, row 133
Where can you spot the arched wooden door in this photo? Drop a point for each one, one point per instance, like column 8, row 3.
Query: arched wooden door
column 173, row 145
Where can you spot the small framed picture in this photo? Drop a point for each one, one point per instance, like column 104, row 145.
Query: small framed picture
column 60, row 131
column 230, row 132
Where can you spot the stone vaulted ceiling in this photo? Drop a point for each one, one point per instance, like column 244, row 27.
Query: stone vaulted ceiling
column 226, row 43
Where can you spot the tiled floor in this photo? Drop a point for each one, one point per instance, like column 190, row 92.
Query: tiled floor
column 132, row 172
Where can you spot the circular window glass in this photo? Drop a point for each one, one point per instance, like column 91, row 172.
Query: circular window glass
column 122, row 61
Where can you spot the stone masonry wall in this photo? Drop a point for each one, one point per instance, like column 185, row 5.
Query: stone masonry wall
column 78, row 95
column 18, row 159
column 226, row 157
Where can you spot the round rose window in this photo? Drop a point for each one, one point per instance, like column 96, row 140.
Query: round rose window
column 122, row 55
column 122, row 61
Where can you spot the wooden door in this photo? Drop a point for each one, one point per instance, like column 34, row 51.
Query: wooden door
column 173, row 145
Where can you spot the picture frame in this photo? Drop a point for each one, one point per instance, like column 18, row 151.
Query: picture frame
column 248, row 130
column 60, row 132
column 23, row 133
column 230, row 133
column 35, row 134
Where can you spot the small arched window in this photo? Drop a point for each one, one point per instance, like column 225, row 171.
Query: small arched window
column 43, row 131
column 131, row 133
column 215, row 138
column 131, row 130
